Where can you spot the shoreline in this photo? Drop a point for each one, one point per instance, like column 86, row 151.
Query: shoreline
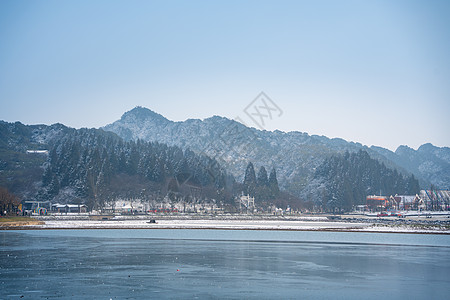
column 319, row 224
column 431, row 232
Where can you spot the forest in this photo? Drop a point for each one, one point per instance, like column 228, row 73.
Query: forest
column 348, row 178
column 92, row 166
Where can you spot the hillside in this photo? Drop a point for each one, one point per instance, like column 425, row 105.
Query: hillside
column 93, row 166
column 295, row 155
column 191, row 159
column 428, row 162
column 21, row 172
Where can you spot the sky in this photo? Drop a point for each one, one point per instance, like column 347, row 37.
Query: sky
column 375, row 72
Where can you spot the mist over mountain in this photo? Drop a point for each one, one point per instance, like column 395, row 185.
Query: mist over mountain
column 295, row 155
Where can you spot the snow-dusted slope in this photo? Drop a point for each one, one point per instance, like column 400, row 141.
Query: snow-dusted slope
column 295, row 155
column 429, row 162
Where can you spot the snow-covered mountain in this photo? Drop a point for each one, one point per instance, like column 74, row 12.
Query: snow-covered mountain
column 429, row 162
column 295, row 155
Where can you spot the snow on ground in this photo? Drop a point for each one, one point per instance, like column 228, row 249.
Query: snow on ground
column 438, row 223
column 404, row 229
column 199, row 224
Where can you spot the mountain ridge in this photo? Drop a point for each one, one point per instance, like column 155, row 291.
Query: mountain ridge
column 296, row 156
column 295, row 153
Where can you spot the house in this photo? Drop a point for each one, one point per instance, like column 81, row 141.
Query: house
column 407, row 202
column 69, row 208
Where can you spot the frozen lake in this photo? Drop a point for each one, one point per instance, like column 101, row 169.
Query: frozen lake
column 146, row 263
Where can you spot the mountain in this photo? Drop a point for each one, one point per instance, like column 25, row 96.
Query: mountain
column 429, row 162
column 19, row 137
column 157, row 158
column 21, row 172
column 295, row 155
column 93, row 166
column 145, row 151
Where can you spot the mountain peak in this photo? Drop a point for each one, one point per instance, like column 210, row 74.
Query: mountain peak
column 295, row 154
column 143, row 113
column 404, row 149
column 427, row 147
column 134, row 123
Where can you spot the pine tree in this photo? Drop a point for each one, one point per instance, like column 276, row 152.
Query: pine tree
column 273, row 184
column 262, row 178
column 250, row 180
column 412, row 185
column 262, row 186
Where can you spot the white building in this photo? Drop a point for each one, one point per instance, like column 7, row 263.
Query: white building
column 127, row 206
column 69, row 208
column 246, row 203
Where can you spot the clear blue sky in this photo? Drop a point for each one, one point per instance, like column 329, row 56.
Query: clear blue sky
column 376, row 72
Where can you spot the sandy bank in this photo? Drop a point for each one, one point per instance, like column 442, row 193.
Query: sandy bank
column 21, row 223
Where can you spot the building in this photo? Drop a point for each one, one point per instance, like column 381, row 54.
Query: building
column 246, row 203
column 360, row 208
column 124, row 206
column 436, row 199
column 30, row 207
column 69, row 208
column 408, row 202
column 377, row 203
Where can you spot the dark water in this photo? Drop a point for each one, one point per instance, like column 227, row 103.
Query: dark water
column 154, row 264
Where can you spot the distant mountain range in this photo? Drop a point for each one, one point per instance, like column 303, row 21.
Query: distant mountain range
column 295, row 155
column 84, row 162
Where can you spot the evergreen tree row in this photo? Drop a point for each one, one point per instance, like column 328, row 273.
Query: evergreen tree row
column 263, row 188
column 349, row 178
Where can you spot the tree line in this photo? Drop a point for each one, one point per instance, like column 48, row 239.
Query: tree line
column 94, row 166
column 350, row 177
column 261, row 187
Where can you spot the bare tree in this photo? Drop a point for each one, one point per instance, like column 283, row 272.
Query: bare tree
column 9, row 203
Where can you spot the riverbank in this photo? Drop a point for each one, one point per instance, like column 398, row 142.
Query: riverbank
column 234, row 222
column 18, row 222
